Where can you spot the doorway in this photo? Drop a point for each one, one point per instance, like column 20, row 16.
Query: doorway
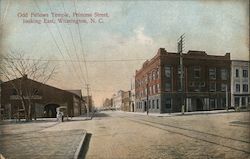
column 50, row 110
column 199, row 104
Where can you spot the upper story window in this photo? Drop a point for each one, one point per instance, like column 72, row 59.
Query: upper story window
column 168, row 71
column 197, row 72
column 153, row 74
column 157, row 73
column 158, row 87
column 224, row 74
column 212, row 73
column 167, row 86
column 212, row 86
column 237, row 87
column 236, row 72
column 223, row 87
column 245, row 87
column 245, row 73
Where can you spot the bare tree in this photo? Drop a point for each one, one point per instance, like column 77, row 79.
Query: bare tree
column 16, row 68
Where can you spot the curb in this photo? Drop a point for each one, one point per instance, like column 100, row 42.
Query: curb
column 80, row 146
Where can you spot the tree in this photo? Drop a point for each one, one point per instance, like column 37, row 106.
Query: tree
column 16, row 67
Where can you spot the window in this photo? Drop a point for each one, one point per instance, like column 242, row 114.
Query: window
column 236, row 101
column 149, row 104
column 223, row 87
column 212, row 86
column 245, row 87
column 223, row 74
column 153, row 89
column 212, row 103
column 196, row 86
column 153, row 106
column 243, row 101
column 197, row 71
column 157, row 74
column 150, row 90
column 191, row 84
column 153, row 103
column 156, row 90
column 168, row 103
column 157, row 103
column 158, row 87
column 153, row 74
column 168, row 72
column 237, row 87
column 202, row 84
column 212, row 73
column 236, row 73
column 167, row 86
column 244, row 73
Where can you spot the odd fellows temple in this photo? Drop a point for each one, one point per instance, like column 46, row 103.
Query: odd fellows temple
column 206, row 82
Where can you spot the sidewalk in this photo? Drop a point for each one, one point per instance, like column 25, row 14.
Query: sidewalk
column 179, row 113
column 35, row 140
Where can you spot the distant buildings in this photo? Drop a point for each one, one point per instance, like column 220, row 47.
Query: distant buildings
column 108, row 103
column 206, row 82
column 44, row 99
column 117, row 100
column 240, row 95
column 126, row 102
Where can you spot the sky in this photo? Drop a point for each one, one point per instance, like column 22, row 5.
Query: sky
column 130, row 32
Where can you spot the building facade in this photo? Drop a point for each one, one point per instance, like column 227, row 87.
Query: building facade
column 44, row 99
column 126, row 102
column 206, row 82
column 117, row 100
column 240, row 95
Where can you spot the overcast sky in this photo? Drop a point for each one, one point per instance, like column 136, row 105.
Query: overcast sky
column 132, row 30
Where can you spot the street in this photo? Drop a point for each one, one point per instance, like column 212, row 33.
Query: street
column 114, row 134
column 126, row 135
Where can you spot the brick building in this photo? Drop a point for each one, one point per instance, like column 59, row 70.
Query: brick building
column 206, row 78
column 45, row 99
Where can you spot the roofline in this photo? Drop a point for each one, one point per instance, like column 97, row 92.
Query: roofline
column 43, row 84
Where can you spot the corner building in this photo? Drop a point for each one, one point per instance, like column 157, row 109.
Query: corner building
column 206, row 82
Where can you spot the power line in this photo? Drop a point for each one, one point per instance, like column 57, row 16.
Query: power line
column 74, row 45
column 81, row 43
column 62, row 60
column 67, row 50
column 53, row 37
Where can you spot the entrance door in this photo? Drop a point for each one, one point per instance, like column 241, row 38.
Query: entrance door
column 50, row 110
column 199, row 104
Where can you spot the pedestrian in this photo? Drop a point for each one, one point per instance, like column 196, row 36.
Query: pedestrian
column 62, row 115
column 58, row 116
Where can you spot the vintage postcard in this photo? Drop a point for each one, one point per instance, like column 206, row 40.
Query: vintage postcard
column 125, row 79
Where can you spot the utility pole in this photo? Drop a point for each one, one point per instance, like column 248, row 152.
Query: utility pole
column 226, row 98
column 180, row 49
column 147, row 97
column 87, row 87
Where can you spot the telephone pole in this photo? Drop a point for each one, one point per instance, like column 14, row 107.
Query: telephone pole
column 87, row 87
column 180, row 51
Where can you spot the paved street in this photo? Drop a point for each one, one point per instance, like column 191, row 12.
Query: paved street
column 127, row 135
